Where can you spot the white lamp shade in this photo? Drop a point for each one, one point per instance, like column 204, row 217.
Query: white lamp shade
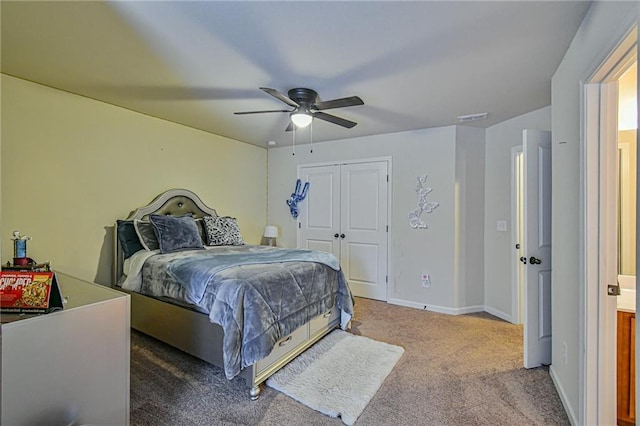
column 271, row 231
column 301, row 119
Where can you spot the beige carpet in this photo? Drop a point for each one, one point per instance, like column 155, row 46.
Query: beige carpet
column 456, row 370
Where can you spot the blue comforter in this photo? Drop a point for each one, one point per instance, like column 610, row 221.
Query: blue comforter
column 257, row 294
column 197, row 271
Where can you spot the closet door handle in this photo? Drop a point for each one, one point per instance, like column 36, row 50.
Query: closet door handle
column 342, row 235
column 336, row 235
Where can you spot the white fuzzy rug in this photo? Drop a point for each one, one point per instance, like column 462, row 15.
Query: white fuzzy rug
column 339, row 375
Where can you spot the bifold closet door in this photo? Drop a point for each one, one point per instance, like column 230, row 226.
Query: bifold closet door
column 346, row 215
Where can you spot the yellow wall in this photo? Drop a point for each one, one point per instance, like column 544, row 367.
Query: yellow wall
column 71, row 166
column 627, row 169
column 628, row 99
column 627, row 126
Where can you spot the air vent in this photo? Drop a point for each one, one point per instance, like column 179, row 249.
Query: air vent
column 472, row 117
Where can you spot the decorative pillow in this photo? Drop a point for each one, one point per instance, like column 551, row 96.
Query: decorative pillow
column 201, row 230
column 129, row 241
column 176, row 233
column 222, row 231
column 146, row 234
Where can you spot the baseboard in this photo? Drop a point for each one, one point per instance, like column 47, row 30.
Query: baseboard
column 469, row 310
column 563, row 397
column 499, row 314
column 434, row 308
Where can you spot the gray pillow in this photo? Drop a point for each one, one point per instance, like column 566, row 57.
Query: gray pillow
column 176, row 233
column 222, row 231
column 129, row 240
column 146, row 234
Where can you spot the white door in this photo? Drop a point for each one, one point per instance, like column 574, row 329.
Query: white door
column 537, row 228
column 346, row 214
column 363, row 224
column 319, row 218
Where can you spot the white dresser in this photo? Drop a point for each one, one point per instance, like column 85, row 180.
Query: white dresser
column 71, row 366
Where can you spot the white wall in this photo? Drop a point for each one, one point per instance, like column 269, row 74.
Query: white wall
column 498, row 251
column 412, row 251
column 603, row 27
column 71, row 166
column 470, row 199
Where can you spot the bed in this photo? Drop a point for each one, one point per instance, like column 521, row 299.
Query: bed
column 196, row 285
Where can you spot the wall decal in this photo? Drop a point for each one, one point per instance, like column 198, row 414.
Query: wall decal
column 297, row 196
column 424, row 206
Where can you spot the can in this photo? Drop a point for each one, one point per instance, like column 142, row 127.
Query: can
column 19, row 248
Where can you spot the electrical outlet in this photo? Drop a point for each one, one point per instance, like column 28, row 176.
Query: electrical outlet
column 426, row 280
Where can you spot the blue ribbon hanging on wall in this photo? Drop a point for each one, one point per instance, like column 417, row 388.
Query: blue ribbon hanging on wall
column 297, row 196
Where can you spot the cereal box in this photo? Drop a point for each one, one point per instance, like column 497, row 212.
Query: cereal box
column 29, row 292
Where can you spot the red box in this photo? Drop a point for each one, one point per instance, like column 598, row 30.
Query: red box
column 29, row 292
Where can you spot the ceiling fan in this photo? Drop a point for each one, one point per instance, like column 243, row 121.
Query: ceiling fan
column 307, row 106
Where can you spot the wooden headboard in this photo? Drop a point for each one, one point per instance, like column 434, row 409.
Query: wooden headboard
column 174, row 202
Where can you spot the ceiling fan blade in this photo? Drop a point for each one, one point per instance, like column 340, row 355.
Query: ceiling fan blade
column 260, row 112
column 280, row 96
column 335, row 120
column 338, row 103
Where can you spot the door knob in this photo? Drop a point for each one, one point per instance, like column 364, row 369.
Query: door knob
column 342, row 235
column 535, row 261
column 523, row 260
column 336, row 235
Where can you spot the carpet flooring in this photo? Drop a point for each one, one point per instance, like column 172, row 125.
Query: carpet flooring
column 456, row 370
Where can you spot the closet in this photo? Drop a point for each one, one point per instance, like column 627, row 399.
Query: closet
column 346, row 213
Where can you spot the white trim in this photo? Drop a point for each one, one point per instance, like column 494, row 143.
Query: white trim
column 434, row 308
column 608, row 249
column 597, row 369
column 516, row 314
column 563, row 396
column 499, row 314
column 588, row 252
column 340, row 162
column 623, row 55
column 450, row 311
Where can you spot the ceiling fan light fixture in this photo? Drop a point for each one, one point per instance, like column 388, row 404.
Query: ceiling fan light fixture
column 301, row 118
column 307, row 106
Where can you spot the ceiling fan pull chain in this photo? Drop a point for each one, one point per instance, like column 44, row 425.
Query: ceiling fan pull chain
column 311, row 137
column 294, row 140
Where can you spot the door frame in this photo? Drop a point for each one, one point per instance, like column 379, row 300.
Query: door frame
column 517, row 279
column 597, row 170
column 388, row 160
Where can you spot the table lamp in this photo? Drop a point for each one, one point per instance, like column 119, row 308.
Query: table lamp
column 270, row 235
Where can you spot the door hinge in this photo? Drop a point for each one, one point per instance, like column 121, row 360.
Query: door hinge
column 386, row 278
column 299, row 225
column 387, row 178
column 387, row 228
column 613, row 290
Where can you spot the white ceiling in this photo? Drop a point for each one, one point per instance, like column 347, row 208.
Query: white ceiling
column 414, row 64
